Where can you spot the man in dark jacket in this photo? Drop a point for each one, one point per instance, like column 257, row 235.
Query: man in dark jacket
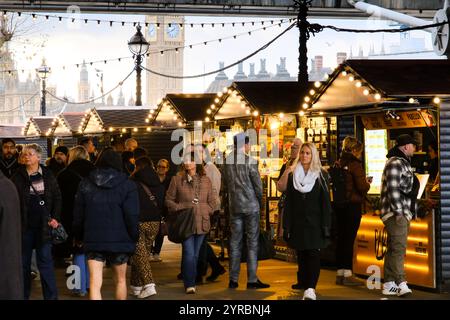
column 11, row 278
column 244, row 187
column 59, row 160
column 8, row 160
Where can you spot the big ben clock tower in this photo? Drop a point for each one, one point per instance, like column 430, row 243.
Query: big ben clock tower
column 164, row 32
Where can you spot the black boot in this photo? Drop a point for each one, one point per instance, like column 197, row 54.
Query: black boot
column 297, row 286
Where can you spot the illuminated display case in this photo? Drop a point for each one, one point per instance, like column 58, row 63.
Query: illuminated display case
column 376, row 148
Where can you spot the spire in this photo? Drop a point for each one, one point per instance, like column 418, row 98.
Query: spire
column 351, row 53
column 281, row 69
column 372, row 49
column 131, row 102
column 121, row 99
column 360, row 52
column 221, row 75
column 263, row 74
column 240, row 75
column 252, row 71
column 110, row 100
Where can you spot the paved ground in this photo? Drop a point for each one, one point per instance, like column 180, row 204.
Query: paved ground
column 279, row 274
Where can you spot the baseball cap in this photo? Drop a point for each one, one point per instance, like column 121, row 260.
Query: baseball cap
column 405, row 139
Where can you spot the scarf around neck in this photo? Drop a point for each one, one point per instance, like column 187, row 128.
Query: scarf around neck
column 304, row 183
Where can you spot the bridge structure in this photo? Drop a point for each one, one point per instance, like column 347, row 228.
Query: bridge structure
column 424, row 9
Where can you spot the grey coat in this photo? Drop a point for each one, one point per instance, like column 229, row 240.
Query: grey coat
column 243, row 183
column 11, row 279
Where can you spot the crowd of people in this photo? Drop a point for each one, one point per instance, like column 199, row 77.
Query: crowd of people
column 113, row 205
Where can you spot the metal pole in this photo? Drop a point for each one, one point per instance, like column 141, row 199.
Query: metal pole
column 302, row 24
column 138, row 80
column 43, row 109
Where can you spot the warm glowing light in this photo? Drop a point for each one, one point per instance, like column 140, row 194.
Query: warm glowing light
column 312, row 92
column 321, row 113
column 219, row 94
column 411, row 100
column 366, row 92
column 175, row 118
column 247, row 111
column 208, row 111
column 180, row 124
column 281, row 115
column 344, row 73
column 317, row 84
column 124, row 130
column 307, row 99
column 351, row 78
column 437, row 100
column 358, row 84
column 305, row 106
column 149, row 129
column 377, row 96
column 213, row 106
column 135, row 129
column 216, row 100
column 225, row 89
column 207, row 119
column 255, row 113
column 147, row 120
column 301, row 113
column 111, row 129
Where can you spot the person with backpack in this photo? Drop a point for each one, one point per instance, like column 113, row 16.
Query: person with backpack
column 350, row 187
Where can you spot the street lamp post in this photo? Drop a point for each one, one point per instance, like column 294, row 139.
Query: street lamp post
column 139, row 47
column 43, row 72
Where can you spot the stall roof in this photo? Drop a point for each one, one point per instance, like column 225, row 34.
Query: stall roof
column 191, row 106
column 39, row 126
column 363, row 83
column 101, row 119
column 405, row 77
column 11, row 131
column 265, row 97
column 68, row 123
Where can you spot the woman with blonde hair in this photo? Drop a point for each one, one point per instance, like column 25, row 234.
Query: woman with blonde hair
column 191, row 188
column 307, row 215
column 348, row 212
column 69, row 178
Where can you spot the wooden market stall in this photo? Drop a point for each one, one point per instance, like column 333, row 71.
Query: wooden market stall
column 377, row 100
column 39, row 130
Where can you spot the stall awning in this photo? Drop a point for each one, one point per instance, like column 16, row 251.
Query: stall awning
column 365, row 84
column 11, row 131
column 114, row 119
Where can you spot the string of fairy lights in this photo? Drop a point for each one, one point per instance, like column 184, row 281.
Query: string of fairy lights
column 154, row 52
column 73, row 17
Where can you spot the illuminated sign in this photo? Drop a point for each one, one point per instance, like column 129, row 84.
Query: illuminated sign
column 400, row 119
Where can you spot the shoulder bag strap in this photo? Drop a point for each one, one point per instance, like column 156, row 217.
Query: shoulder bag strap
column 150, row 194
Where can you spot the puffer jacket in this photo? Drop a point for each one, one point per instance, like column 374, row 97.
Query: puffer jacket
column 243, row 183
column 106, row 212
column 356, row 185
column 399, row 186
column 181, row 193
column 52, row 198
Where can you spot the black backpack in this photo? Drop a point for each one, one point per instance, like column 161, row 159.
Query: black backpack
column 338, row 177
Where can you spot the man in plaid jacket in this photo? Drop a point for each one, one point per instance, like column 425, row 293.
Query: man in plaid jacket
column 399, row 189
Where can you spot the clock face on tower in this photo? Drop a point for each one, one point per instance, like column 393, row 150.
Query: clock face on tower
column 151, row 30
column 173, row 30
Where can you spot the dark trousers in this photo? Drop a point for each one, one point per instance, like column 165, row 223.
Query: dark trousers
column 348, row 219
column 30, row 241
column 158, row 243
column 207, row 256
column 308, row 267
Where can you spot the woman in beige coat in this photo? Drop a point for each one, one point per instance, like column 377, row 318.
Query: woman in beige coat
column 191, row 188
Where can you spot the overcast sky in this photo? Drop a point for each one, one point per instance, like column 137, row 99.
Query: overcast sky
column 65, row 43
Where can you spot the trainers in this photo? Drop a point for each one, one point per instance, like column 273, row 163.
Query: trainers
column 149, row 290
column 257, row 285
column 351, row 281
column 309, row 294
column 403, row 290
column 390, row 288
column 155, row 258
column 135, row 291
column 190, row 290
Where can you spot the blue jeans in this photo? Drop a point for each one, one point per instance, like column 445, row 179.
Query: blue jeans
column 237, row 223
column 189, row 258
column 81, row 261
column 30, row 241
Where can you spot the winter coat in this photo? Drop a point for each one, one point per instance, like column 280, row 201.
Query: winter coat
column 181, row 193
column 55, row 167
column 399, row 186
column 9, row 168
column 106, row 212
column 148, row 210
column 307, row 216
column 243, row 183
column 52, row 199
column 11, row 277
column 356, row 184
column 68, row 180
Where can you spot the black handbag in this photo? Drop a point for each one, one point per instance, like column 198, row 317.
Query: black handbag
column 266, row 249
column 181, row 225
column 59, row 234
